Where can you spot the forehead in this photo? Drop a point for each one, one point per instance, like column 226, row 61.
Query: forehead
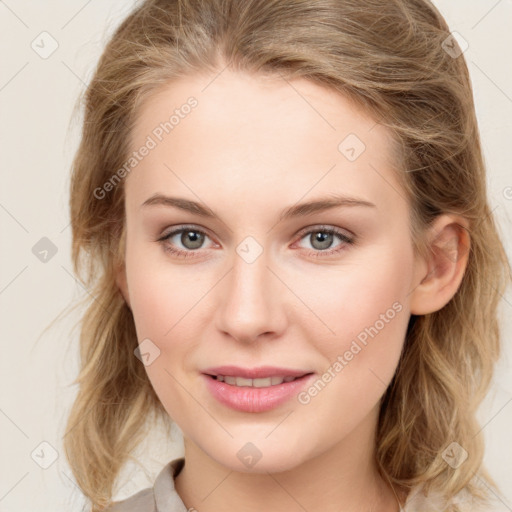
column 250, row 134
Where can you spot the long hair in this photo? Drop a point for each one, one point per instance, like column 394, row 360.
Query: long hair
column 391, row 58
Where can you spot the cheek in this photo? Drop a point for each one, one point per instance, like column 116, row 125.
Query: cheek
column 167, row 303
column 159, row 294
column 368, row 311
column 355, row 296
column 162, row 304
column 152, row 301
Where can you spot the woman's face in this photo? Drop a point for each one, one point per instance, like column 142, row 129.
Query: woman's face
column 258, row 280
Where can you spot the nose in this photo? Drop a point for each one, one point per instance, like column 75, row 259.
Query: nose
column 250, row 301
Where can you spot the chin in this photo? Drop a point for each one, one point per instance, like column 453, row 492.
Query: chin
column 259, row 457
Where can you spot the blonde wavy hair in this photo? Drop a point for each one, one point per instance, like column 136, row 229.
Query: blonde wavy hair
column 387, row 56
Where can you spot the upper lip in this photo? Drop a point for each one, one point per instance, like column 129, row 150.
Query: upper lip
column 255, row 373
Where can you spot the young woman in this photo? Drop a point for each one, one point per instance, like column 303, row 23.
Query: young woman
column 281, row 205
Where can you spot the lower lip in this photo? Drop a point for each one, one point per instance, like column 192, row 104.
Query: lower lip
column 250, row 399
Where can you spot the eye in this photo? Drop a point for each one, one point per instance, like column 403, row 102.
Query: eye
column 189, row 237
column 322, row 238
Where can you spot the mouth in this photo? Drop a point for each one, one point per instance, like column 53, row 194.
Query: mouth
column 255, row 390
column 263, row 382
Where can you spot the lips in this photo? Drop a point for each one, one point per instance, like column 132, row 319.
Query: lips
column 254, row 389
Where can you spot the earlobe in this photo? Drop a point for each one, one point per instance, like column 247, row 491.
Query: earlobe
column 443, row 268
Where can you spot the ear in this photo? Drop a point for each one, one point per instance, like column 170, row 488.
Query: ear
column 440, row 273
column 122, row 284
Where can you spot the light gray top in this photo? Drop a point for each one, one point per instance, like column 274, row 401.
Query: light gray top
column 162, row 497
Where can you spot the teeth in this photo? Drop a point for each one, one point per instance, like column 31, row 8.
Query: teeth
column 266, row 382
column 241, row 381
column 255, row 383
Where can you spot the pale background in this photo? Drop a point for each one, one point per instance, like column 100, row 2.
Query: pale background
column 38, row 139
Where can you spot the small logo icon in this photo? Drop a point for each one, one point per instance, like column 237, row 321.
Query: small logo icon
column 147, row 352
column 44, row 250
column 44, row 455
column 454, row 455
column 351, row 147
column 249, row 249
column 44, row 45
column 454, row 45
column 249, row 455
column 452, row 248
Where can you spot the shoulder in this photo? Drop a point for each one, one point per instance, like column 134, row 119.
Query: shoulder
column 162, row 497
column 143, row 501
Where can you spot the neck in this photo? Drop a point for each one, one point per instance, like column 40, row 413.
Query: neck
column 342, row 478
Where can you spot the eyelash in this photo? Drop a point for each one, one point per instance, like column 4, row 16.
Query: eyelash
column 315, row 253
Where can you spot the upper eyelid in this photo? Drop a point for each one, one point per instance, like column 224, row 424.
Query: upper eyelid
column 326, row 227
column 179, row 229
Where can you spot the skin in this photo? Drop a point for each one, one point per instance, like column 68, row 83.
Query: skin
column 252, row 147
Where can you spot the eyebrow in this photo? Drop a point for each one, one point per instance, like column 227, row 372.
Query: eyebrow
column 297, row 210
